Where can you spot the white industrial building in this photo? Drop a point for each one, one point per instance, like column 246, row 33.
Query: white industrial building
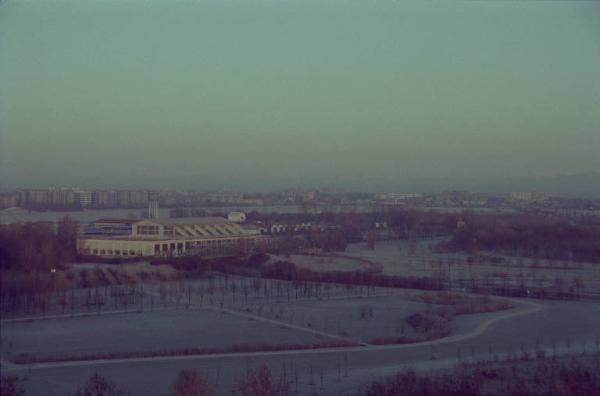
column 169, row 237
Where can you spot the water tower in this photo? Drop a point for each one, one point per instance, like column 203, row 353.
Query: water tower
column 153, row 199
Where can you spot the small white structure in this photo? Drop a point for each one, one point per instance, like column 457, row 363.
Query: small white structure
column 237, row 217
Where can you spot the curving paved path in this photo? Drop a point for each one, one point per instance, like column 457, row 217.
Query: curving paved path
column 344, row 370
column 531, row 307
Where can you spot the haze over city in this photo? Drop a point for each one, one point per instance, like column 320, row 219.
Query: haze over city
column 265, row 93
column 299, row 197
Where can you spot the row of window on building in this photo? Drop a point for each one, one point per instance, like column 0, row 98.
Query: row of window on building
column 65, row 197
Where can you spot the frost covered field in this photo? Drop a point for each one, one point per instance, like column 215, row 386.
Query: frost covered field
column 190, row 320
column 400, row 258
column 329, row 337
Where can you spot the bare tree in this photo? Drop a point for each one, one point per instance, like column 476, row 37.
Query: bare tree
column 97, row 385
column 67, row 231
column 260, row 382
column 9, row 386
column 371, row 240
column 192, row 383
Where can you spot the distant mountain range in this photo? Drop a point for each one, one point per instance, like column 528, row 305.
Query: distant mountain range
column 582, row 185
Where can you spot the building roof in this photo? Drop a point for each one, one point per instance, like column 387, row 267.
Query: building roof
column 189, row 220
column 170, row 221
column 118, row 221
column 181, row 228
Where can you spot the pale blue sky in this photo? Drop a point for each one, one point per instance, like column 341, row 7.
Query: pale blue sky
column 390, row 89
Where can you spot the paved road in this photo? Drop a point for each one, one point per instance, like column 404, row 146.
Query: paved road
column 525, row 308
column 80, row 315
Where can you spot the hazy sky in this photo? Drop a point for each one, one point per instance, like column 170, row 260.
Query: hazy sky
column 134, row 89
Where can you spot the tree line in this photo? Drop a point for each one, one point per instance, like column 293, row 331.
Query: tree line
column 529, row 235
column 32, row 247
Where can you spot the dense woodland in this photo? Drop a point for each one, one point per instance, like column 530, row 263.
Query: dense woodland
column 524, row 234
column 532, row 236
column 33, row 247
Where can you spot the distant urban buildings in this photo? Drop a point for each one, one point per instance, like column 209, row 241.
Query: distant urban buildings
column 396, row 198
column 83, row 198
column 74, row 198
column 197, row 203
column 9, row 200
column 530, row 196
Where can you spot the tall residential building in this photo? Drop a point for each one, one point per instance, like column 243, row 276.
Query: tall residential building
column 8, row 200
column 83, row 198
column 153, row 199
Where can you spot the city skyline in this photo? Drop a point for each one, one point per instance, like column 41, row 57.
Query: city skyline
column 575, row 185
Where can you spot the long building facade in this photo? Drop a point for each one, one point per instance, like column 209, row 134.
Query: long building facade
column 170, row 237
